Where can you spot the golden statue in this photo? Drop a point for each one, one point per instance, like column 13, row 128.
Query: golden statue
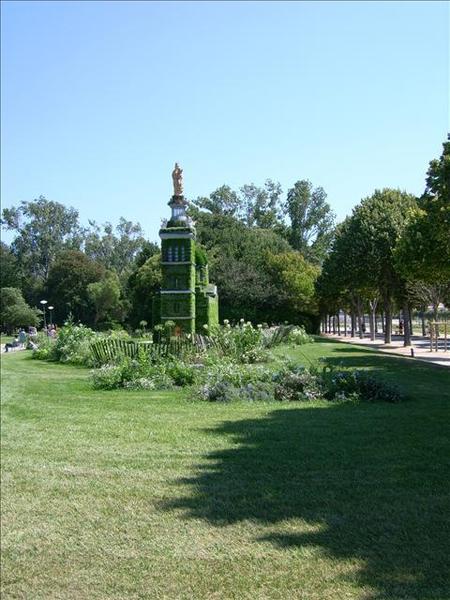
column 177, row 177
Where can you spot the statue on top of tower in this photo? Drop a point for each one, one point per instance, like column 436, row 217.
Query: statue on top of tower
column 177, row 177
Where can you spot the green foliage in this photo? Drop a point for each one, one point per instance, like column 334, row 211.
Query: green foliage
column 298, row 336
column 252, row 205
column 295, row 383
column 72, row 344
column 43, row 229
column 43, row 347
column 181, row 373
column 294, row 277
column 311, row 220
column 67, row 286
column 143, row 284
column 358, row 385
column 201, row 258
column 423, row 252
column 106, row 297
column 14, row 311
column 116, row 248
column 141, row 372
column 242, row 343
column 10, row 275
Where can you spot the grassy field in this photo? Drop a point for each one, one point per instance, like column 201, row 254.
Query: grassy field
column 152, row 495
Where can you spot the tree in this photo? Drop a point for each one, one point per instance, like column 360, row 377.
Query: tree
column 15, row 312
column 338, row 285
column 143, row 284
column 311, row 220
column 252, row 205
column 248, row 285
column 67, row 285
column 295, row 279
column 375, row 228
column 106, row 297
column 44, row 228
column 423, row 252
column 10, row 275
column 223, row 201
column 261, row 205
column 115, row 248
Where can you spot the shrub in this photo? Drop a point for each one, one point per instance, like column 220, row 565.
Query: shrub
column 358, row 385
column 72, row 344
column 274, row 336
column 298, row 336
column 242, row 343
column 219, row 391
column 45, row 346
column 141, row 373
column 297, row 384
column 181, row 373
column 107, row 377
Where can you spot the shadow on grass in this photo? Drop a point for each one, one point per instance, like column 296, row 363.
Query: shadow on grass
column 371, row 476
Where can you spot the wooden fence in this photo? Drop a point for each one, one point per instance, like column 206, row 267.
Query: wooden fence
column 108, row 349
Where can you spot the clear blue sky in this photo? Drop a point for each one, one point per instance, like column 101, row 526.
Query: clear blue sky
column 99, row 99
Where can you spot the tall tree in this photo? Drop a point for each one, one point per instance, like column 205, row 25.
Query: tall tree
column 253, row 205
column 115, row 247
column 106, row 297
column 67, row 284
column 10, row 275
column 377, row 225
column 222, row 201
column 43, row 229
column 424, row 250
column 295, row 279
column 143, row 284
column 311, row 220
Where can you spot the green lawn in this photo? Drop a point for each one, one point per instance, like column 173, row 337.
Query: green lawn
column 151, row 495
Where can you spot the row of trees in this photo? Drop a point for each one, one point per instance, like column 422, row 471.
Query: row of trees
column 264, row 254
column 393, row 251
column 274, row 257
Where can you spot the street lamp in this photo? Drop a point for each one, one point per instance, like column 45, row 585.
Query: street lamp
column 50, row 308
column 44, row 302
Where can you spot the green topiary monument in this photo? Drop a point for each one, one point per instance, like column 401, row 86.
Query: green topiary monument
column 186, row 298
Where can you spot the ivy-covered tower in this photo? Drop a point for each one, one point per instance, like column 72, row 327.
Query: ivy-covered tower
column 187, row 297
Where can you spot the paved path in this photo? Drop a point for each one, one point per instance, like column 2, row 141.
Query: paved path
column 420, row 345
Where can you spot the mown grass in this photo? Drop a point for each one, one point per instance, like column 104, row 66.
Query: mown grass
column 149, row 495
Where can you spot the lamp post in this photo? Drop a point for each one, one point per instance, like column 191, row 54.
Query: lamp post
column 50, row 308
column 44, row 302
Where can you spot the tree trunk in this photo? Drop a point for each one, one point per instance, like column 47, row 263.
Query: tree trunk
column 360, row 325
column 406, row 325
column 382, row 321
column 422, row 318
column 372, row 324
column 360, row 320
column 387, row 321
column 435, row 311
column 373, row 318
column 338, row 316
column 353, row 323
column 345, row 324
